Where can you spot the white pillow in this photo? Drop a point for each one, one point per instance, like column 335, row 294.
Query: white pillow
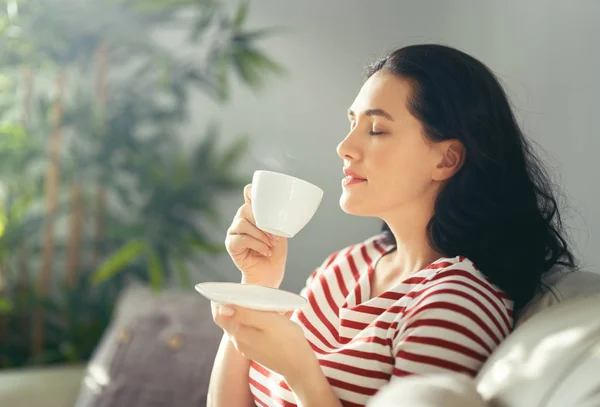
column 439, row 390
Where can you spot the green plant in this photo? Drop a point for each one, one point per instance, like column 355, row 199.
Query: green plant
column 174, row 191
column 92, row 108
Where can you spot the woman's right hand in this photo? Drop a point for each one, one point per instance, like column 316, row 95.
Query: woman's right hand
column 260, row 256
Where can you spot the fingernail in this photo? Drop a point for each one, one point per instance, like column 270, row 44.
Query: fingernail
column 226, row 311
column 269, row 253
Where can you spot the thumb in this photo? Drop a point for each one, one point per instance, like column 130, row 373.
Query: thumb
column 248, row 194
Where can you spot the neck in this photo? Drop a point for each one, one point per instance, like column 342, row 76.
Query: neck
column 413, row 252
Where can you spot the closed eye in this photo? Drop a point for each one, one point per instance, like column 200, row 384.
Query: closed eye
column 376, row 133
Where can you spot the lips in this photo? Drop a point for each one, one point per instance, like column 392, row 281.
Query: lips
column 351, row 178
column 350, row 173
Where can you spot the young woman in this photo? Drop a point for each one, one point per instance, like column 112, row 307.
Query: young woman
column 470, row 226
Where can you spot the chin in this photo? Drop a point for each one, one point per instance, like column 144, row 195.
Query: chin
column 352, row 207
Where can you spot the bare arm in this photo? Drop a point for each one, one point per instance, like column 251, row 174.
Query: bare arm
column 229, row 378
column 275, row 342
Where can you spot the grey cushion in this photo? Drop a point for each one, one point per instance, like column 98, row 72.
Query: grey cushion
column 548, row 361
column 158, row 351
column 558, row 285
column 581, row 387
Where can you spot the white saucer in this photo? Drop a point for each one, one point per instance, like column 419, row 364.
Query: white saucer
column 251, row 296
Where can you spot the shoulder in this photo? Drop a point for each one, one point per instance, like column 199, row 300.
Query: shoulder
column 462, row 273
column 454, row 320
column 458, row 286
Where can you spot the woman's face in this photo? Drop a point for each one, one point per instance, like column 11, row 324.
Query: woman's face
column 389, row 164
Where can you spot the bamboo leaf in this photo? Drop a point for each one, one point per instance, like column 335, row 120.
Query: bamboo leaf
column 6, row 306
column 207, row 147
column 240, row 15
column 203, row 22
column 126, row 255
column 152, row 6
column 223, row 75
column 260, row 61
column 156, row 271
column 251, row 65
column 210, row 211
column 260, row 33
column 233, row 154
column 206, row 247
column 184, row 275
column 245, row 69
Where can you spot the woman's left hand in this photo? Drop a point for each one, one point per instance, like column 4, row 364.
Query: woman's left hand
column 268, row 338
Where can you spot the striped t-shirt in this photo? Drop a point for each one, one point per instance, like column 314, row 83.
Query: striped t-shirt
column 446, row 317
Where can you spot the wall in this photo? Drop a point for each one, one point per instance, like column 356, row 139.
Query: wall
column 545, row 52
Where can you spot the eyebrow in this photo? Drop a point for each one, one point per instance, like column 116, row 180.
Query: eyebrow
column 373, row 112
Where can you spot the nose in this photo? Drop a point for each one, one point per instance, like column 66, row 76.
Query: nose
column 348, row 148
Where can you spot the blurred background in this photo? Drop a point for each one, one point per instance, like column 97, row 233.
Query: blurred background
column 128, row 129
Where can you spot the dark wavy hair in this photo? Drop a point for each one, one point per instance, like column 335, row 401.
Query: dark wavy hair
column 499, row 209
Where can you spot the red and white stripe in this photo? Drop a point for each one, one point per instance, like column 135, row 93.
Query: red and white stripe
column 446, row 317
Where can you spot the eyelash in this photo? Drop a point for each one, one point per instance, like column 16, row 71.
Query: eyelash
column 371, row 133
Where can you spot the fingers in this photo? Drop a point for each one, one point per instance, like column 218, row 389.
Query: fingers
column 222, row 315
column 236, row 244
column 248, row 194
column 242, row 226
column 245, row 328
column 245, row 211
column 243, row 234
column 253, row 318
column 231, row 318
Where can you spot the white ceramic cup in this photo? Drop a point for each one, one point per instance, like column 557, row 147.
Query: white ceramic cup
column 282, row 204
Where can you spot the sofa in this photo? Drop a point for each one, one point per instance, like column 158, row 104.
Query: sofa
column 552, row 359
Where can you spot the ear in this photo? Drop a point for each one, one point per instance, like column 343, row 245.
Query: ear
column 451, row 158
